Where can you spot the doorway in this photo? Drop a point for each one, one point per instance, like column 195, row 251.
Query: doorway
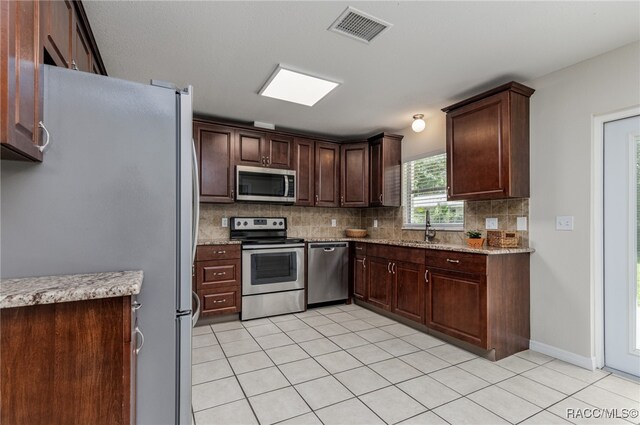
column 621, row 239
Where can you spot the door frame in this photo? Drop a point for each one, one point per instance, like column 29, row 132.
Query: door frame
column 597, row 224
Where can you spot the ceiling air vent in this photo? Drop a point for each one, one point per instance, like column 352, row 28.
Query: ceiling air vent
column 358, row 25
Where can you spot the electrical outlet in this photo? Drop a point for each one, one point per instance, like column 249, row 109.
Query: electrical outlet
column 225, row 222
column 564, row 222
column 375, row 223
column 491, row 224
column 521, row 223
column 334, row 222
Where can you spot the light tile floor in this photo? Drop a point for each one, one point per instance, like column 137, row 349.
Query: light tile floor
column 348, row 365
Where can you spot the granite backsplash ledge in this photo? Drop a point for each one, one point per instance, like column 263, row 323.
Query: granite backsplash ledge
column 309, row 222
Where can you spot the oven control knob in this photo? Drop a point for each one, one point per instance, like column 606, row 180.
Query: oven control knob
column 274, row 223
column 238, row 223
column 245, row 223
column 280, row 223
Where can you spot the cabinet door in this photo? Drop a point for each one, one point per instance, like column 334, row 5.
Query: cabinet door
column 360, row 277
column 379, row 287
column 249, row 148
column 304, row 164
column 354, row 175
column 214, row 149
column 327, row 174
column 81, row 49
column 222, row 300
column 57, row 27
column 214, row 274
column 408, row 290
column 278, row 151
column 477, row 149
column 375, row 173
column 21, row 91
column 457, row 305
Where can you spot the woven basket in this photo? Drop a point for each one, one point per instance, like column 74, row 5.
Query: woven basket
column 502, row 239
column 356, row 233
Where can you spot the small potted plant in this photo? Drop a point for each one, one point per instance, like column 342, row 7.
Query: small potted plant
column 475, row 239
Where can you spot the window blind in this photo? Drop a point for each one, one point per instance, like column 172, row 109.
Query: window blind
column 425, row 189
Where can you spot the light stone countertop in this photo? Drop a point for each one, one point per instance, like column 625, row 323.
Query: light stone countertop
column 487, row 250
column 21, row 292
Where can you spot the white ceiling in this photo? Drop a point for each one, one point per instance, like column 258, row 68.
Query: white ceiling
column 435, row 54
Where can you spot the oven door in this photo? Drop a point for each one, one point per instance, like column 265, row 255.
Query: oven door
column 272, row 268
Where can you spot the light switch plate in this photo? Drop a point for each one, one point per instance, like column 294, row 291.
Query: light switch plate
column 334, row 223
column 491, row 224
column 225, row 222
column 521, row 223
column 564, row 222
column 375, row 223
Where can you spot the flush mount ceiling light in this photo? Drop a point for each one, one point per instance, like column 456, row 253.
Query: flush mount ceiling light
column 296, row 87
column 418, row 123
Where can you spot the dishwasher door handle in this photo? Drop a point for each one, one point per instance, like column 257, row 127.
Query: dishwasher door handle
column 328, row 249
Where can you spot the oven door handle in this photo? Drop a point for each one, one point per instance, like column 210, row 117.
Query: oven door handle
column 273, row 248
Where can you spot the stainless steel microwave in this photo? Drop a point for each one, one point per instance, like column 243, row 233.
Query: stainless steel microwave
column 265, row 184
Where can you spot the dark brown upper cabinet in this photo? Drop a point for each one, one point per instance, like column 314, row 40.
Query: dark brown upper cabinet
column 215, row 152
column 20, row 81
column 488, row 145
column 263, row 150
column 57, row 22
column 304, row 165
column 327, row 174
column 385, row 170
column 354, row 175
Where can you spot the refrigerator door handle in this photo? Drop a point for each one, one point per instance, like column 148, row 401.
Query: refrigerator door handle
column 196, row 204
column 196, row 313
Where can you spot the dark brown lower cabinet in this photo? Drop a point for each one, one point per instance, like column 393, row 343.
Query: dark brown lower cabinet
column 218, row 279
column 71, row 362
column 457, row 305
column 477, row 298
column 408, row 290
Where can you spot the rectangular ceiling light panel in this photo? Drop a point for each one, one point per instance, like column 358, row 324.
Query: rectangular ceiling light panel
column 292, row 86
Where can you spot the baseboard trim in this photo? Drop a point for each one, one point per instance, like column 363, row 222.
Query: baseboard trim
column 567, row 356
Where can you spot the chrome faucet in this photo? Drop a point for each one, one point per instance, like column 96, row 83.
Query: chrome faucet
column 429, row 232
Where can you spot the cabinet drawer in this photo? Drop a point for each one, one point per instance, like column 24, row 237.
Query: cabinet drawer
column 459, row 261
column 217, row 252
column 397, row 253
column 217, row 273
column 360, row 248
column 220, row 301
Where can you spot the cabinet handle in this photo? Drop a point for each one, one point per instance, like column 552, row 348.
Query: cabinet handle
column 268, row 161
column 453, row 261
column 74, row 65
column 220, row 301
column 316, row 199
column 46, row 133
column 262, row 161
column 222, row 252
column 342, row 200
column 139, row 332
column 364, row 263
column 359, row 248
column 393, row 268
column 233, row 193
column 389, row 267
column 136, row 306
column 220, row 274
column 380, row 198
column 426, row 279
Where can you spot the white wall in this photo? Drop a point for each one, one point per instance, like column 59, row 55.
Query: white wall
column 432, row 140
column 562, row 291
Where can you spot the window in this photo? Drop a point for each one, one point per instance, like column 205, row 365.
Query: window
column 425, row 189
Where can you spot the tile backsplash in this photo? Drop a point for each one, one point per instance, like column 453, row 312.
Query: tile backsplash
column 309, row 222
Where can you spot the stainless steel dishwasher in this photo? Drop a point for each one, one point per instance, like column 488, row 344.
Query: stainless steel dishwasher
column 328, row 269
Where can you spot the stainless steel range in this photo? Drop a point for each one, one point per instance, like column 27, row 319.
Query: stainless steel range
column 272, row 267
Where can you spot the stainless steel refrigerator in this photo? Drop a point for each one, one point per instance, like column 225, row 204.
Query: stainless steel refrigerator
column 114, row 192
